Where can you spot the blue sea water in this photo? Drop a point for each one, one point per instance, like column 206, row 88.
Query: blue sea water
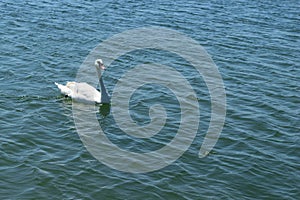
column 255, row 45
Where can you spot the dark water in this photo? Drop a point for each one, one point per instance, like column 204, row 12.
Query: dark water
column 255, row 45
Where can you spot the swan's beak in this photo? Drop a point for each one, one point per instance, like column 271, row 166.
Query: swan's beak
column 101, row 66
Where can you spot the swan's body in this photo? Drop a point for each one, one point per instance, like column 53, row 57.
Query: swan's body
column 85, row 93
column 81, row 92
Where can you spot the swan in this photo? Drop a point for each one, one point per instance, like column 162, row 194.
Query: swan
column 85, row 93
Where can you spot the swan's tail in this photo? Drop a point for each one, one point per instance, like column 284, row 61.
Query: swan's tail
column 64, row 89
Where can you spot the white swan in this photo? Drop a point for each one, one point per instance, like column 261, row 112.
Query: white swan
column 83, row 92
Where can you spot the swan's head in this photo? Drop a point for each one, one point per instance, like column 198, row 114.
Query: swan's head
column 99, row 63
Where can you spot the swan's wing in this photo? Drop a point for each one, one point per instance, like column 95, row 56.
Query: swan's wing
column 85, row 93
column 64, row 89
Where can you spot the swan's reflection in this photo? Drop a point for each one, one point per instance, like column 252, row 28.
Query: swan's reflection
column 104, row 109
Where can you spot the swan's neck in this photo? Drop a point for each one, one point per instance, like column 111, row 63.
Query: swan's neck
column 104, row 96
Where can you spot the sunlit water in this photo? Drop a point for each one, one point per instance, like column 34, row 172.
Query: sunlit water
column 255, row 45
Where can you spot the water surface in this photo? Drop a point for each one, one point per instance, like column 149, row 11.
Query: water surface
column 256, row 48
